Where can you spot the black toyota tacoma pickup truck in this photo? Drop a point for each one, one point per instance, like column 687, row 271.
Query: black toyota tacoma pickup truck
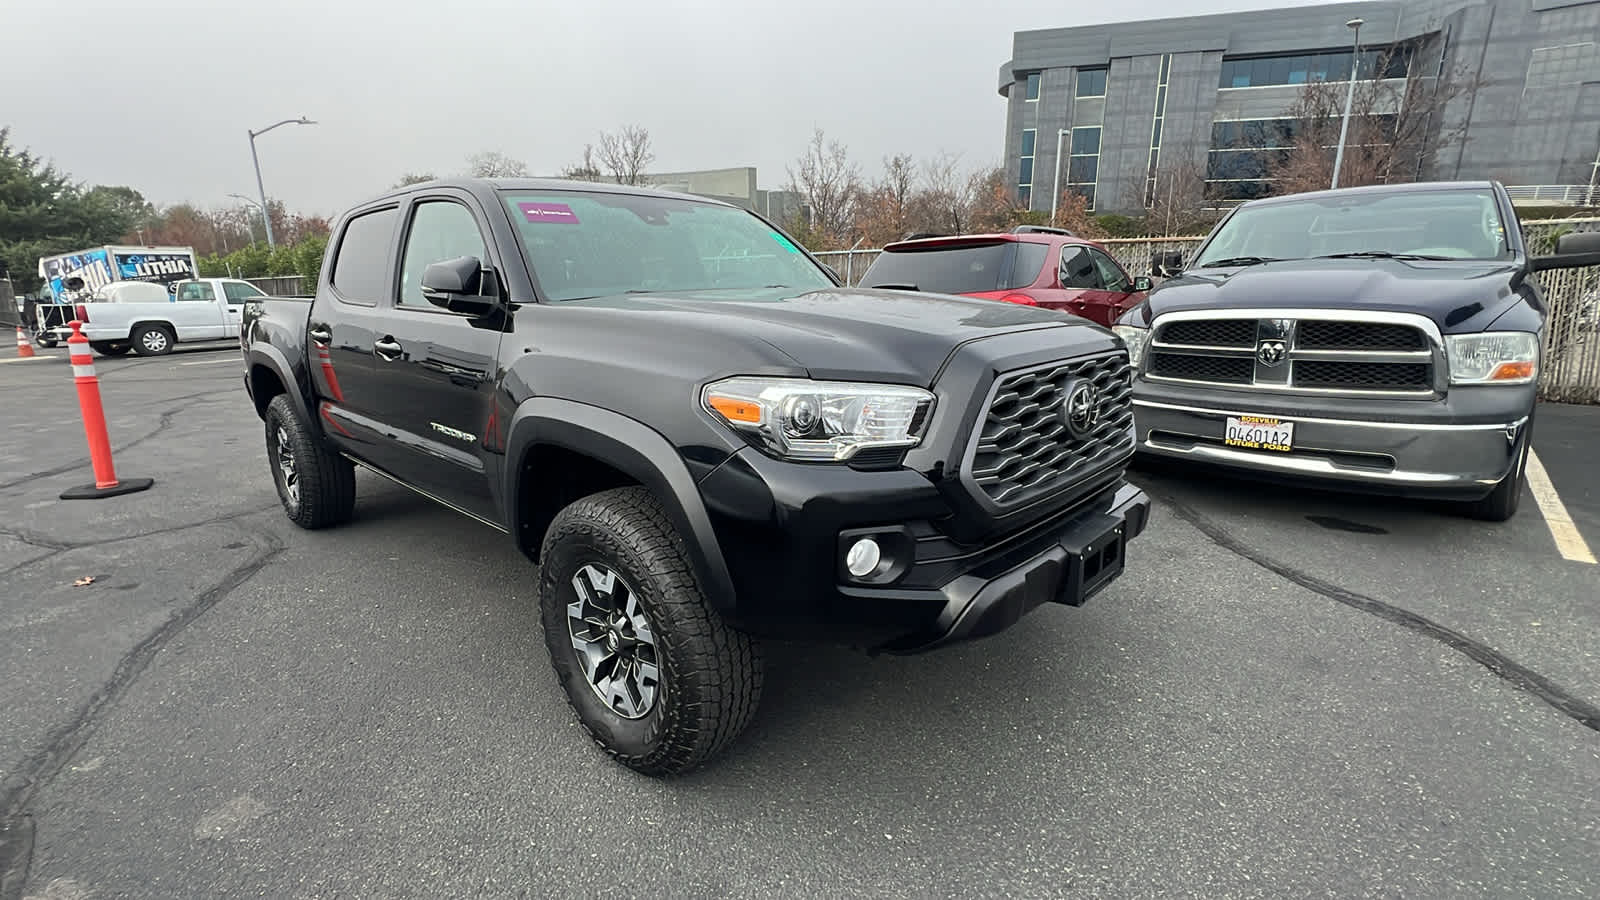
column 1382, row 339
column 700, row 436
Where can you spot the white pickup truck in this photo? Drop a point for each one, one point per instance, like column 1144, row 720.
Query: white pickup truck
column 202, row 309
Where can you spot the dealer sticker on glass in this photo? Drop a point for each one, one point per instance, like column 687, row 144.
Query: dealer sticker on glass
column 1259, row 433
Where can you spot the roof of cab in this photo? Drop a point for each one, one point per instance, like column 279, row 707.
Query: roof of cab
column 1402, row 188
column 481, row 185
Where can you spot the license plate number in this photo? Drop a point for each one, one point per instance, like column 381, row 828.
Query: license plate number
column 1259, row 433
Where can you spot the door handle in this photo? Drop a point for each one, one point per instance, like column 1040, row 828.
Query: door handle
column 388, row 348
column 322, row 334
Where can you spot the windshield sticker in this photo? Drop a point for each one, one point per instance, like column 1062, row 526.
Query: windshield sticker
column 559, row 213
column 784, row 242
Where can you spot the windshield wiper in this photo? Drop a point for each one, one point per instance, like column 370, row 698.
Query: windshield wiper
column 892, row 286
column 1240, row 261
column 1381, row 254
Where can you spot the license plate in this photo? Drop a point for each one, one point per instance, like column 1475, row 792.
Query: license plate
column 1259, row 433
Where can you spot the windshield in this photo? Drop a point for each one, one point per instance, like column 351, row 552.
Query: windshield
column 584, row 245
column 965, row 269
column 1454, row 224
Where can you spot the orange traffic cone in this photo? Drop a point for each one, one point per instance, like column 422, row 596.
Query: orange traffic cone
column 106, row 483
column 24, row 349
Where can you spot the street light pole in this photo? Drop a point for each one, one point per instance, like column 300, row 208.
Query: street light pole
column 1349, row 97
column 256, row 161
column 258, row 206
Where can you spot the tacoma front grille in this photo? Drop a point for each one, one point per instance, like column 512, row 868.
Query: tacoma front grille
column 1299, row 350
column 1026, row 444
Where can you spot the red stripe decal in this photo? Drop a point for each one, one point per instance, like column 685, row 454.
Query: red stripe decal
column 327, row 416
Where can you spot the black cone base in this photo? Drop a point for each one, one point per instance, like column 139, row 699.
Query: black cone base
column 125, row 486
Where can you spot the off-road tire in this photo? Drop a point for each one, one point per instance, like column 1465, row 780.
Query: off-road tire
column 152, row 340
column 710, row 674
column 109, row 348
column 324, row 492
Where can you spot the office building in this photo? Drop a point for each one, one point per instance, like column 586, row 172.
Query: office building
column 1106, row 110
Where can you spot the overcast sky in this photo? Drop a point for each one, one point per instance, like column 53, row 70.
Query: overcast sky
column 159, row 95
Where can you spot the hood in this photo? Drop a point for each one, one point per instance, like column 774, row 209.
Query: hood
column 838, row 333
column 1461, row 297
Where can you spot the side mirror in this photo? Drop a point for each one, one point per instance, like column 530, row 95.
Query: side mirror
column 1166, row 263
column 1142, row 284
column 1573, row 251
column 459, row 285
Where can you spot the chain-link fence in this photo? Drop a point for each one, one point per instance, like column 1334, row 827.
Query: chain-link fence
column 1572, row 334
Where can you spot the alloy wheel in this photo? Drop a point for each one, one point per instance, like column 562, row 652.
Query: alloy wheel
column 288, row 472
column 614, row 642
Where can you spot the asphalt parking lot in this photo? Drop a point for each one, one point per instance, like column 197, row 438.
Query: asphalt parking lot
column 1288, row 694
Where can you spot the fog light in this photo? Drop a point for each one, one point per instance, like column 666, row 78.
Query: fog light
column 863, row 558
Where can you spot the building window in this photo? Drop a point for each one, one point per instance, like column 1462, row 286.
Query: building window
column 1155, row 131
column 1025, row 169
column 1244, row 153
column 1083, row 165
column 1032, row 91
column 1091, row 83
column 1299, row 68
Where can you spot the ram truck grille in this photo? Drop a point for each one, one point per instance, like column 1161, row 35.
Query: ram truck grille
column 1321, row 355
column 1029, row 441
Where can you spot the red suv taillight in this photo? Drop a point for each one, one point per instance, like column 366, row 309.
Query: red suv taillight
column 82, row 312
column 1023, row 299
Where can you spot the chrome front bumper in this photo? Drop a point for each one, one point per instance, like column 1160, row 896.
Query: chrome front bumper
column 1430, row 459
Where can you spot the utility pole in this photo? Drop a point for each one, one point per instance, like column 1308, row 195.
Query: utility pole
column 1349, row 96
column 256, row 161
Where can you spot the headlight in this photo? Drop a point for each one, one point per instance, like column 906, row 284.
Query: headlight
column 1494, row 357
column 820, row 420
column 1135, row 337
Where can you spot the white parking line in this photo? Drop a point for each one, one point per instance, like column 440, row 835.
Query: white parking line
column 27, row 358
column 210, row 362
column 1568, row 541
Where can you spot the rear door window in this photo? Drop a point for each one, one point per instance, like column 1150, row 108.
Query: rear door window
column 959, row 269
column 361, row 270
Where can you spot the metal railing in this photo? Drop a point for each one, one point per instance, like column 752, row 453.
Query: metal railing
column 1554, row 194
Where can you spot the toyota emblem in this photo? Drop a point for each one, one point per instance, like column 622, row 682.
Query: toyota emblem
column 1081, row 412
column 1270, row 353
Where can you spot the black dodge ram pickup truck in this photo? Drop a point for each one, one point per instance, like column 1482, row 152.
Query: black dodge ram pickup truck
column 699, row 435
column 1383, row 339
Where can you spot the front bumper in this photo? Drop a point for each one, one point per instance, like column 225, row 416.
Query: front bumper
column 1404, row 448
column 784, row 528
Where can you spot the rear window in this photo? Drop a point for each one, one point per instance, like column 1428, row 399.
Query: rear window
column 961, row 269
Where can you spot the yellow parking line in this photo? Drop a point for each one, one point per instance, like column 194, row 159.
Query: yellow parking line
column 1568, row 541
column 27, row 358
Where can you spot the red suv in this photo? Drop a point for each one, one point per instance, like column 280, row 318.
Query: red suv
column 1032, row 265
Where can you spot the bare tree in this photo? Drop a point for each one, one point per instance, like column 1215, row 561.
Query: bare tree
column 949, row 194
column 414, row 178
column 829, row 185
column 884, row 212
column 1180, row 200
column 494, row 164
column 625, row 154
column 1397, row 128
column 585, row 169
